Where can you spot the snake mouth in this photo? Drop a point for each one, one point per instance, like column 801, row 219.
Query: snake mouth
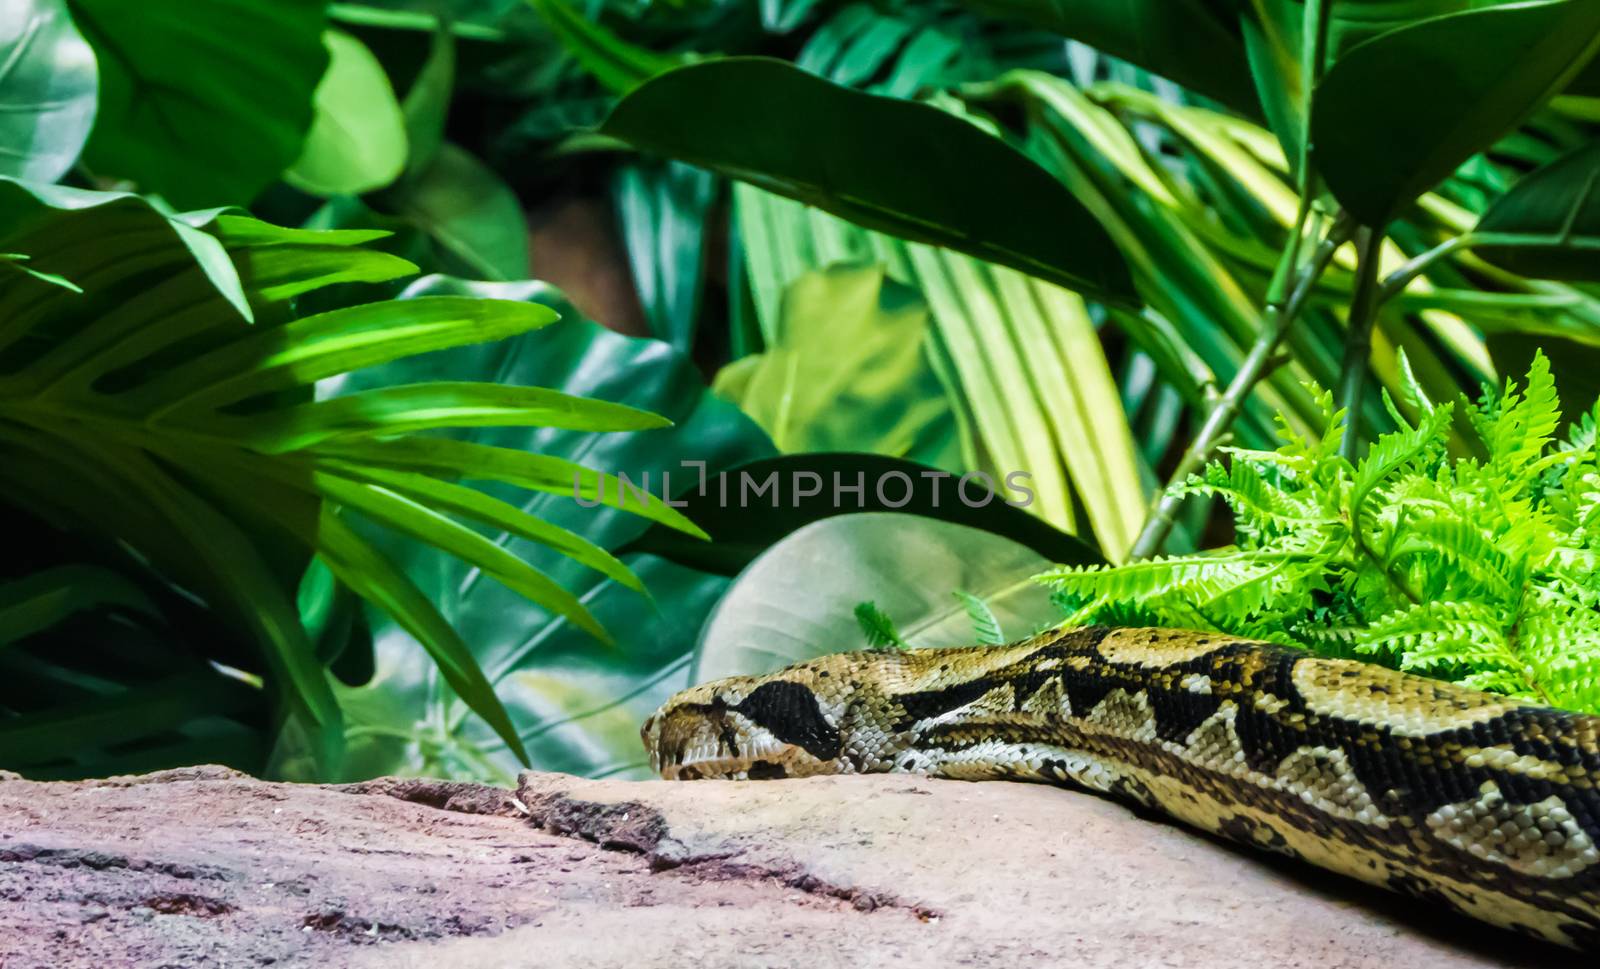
column 726, row 768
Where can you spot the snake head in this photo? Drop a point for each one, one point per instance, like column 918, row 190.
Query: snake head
column 783, row 725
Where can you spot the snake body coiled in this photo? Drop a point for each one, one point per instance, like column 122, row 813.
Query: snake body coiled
column 1483, row 804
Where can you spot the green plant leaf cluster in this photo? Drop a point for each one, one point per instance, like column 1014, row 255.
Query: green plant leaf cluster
column 140, row 406
column 1481, row 570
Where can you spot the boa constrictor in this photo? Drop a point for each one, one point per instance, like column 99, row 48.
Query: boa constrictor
column 1481, row 803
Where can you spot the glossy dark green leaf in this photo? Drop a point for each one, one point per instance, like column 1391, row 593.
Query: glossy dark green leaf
column 1189, row 41
column 48, row 80
column 202, row 103
column 1557, row 209
column 1399, row 113
column 901, row 167
column 750, row 508
column 663, row 210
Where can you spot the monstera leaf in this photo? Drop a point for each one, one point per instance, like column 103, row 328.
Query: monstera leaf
column 575, row 705
column 146, row 411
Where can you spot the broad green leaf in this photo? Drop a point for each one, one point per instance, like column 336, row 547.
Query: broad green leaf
column 473, row 216
column 1274, row 36
column 848, row 371
column 357, row 141
column 615, row 63
column 1476, row 75
column 48, row 81
column 1189, row 41
column 663, row 210
column 1557, row 210
column 748, row 509
column 797, row 600
column 202, row 104
column 897, row 166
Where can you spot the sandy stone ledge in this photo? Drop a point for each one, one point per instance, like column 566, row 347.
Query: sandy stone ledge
column 206, row 867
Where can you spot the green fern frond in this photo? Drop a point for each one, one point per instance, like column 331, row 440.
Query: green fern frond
column 984, row 624
column 1259, row 508
column 1411, row 390
column 1393, row 452
column 1526, row 422
column 1199, row 577
column 1431, row 635
column 877, row 627
column 1465, row 547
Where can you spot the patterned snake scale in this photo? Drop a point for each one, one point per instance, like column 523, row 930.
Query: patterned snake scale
column 1480, row 803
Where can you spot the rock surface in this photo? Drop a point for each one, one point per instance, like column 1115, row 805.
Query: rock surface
column 205, row 867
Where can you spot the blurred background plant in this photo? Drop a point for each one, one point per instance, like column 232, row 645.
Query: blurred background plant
column 1092, row 242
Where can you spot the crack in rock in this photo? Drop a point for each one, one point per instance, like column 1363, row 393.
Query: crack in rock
column 106, row 860
column 460, row 797
column 640, row 829
column 187, row 903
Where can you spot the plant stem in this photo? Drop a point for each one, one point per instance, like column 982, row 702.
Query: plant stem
column 1281, row 308
column 1358, row 340
column 1255, row 366
column 1396, row 282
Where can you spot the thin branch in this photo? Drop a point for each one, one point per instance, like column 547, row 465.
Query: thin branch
column 1257, row 363
column 1396, row 282
column 1358, row 339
